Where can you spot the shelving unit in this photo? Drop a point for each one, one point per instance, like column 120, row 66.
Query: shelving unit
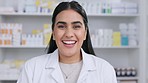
column 122, row 56
column 10, row 78
column 146, row 6
column 44, row 46
column 127, row 78
column 143, row 50
column 49, row 14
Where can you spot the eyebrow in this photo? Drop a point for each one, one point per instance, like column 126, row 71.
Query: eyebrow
column 61, row 22
column 75, row 22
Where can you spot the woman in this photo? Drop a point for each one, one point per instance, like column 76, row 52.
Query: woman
column 70, row 57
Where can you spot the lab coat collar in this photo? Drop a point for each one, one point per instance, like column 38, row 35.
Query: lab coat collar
column 53, row 63
column 88, row 62
column 88, row 66
column 53, row 60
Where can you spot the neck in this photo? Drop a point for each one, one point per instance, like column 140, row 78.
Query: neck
column 70, row 59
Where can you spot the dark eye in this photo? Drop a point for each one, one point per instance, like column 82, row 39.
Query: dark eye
column 77, row 27
column 61, row 26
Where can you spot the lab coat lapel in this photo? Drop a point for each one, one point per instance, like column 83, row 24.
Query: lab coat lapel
column 88, row 66
column 57, row 75
column 83, row 75
column 53, row 66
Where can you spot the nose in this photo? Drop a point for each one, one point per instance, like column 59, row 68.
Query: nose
column 69, row 33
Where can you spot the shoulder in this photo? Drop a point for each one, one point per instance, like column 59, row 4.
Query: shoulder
column 100, row 62
column 37, row 61
column 105, row 70
column 95, row 60
column 103, row 66
column 39, row 58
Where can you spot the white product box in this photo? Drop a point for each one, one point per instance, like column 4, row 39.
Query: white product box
column 117, row 5
column 7, row 10
column 118, row 11
column 132, row 37
column 132, row 42
column 131, row 11
column 30, row 9
column 131, row 5
column 4, row 66
column 123, row 26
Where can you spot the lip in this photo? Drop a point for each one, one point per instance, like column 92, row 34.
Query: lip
column 69, row 43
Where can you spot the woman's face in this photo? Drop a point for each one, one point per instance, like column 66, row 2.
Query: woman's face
column 69, row 32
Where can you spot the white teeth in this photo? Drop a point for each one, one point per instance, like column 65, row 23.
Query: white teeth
column 69, row 42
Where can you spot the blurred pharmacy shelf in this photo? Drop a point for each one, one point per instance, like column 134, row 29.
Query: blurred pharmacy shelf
column 15, row 77
column 49, row 14
column 9, row 78
column 25, row 14
column 127, row 78
column 118, row 47
column 44, row 46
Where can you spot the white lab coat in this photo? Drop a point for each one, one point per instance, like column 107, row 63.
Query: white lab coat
column 45, row 69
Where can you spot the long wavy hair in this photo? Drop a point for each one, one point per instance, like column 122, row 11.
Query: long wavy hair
column 86, row 46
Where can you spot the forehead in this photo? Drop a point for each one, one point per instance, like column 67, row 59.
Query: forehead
column 69, row 16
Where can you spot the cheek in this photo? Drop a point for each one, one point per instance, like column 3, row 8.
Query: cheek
column 57, row 34
column 81, row 35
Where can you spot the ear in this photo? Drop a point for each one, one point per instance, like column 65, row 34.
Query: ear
column 85, row 34
column 53, row 36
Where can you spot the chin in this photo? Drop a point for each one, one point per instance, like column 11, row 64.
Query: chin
column 69, row 53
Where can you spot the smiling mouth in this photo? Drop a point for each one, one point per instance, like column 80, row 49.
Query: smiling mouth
column 69, row 42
